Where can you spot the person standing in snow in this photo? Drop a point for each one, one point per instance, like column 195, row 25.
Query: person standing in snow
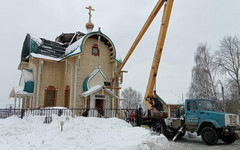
column 132, row 116
column 85, row 113
column 139, row 117
column 127, row 115
column 100, row 112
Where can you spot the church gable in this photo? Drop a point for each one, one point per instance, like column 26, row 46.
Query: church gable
column 78, row 47
column 97, row 77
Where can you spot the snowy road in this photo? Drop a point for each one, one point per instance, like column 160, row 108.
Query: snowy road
column 194, row 142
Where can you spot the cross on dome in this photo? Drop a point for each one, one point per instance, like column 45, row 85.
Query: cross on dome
column 90, row 25
column 90, row 10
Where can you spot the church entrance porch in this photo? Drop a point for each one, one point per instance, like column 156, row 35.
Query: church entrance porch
column 99, row 103
column 99, row 106
column 100, row 99
column 25, row 99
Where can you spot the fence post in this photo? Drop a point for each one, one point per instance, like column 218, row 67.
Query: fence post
column 59, row 112
column 22, row 113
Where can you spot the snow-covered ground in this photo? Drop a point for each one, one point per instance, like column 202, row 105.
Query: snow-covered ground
column 193, row 142
column 81, row 133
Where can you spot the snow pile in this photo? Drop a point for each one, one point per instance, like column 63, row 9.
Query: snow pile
column 45, row 57
column 75, row 47
column 18, row 90
column 86, row 133
column 92, row 90
column 27, row 74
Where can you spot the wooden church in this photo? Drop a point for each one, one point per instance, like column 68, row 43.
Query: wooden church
column 68, row 72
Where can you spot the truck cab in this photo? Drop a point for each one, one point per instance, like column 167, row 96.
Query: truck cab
column 204, row 117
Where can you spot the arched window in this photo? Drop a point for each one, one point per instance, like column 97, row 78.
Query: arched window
column 67, row 96
column 50, row 96
column 95, row 50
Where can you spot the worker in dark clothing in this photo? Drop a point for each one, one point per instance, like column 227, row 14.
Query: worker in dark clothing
column 139, row 117
column 149, row 113
column 85, row 113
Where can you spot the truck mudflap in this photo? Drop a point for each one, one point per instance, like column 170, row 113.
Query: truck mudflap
column 237, row 131
column 237, row 134
column 178, row 135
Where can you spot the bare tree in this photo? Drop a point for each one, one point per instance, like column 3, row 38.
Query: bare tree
column 203, row 83
column 131, row 98
column 232, row 90
column 228, row 59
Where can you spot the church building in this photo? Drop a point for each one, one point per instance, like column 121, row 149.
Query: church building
column 74, row 71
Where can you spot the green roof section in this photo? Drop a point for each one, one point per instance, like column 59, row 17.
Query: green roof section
column 33, row 46
column 85, row 84
column 26, row 47
column 29, row 87
column 28, row 80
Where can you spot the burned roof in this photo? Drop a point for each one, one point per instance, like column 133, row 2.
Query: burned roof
column 51, row 48
column 68, row 38
column 42, row 46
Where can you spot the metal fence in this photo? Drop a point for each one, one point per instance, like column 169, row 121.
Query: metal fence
column 73, row 112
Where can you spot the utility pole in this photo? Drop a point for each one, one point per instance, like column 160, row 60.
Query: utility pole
column 222, row 95
column 223, row 99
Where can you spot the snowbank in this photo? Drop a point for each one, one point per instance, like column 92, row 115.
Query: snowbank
column 85, row 133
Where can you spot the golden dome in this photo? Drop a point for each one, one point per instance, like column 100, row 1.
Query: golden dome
column 89, row 25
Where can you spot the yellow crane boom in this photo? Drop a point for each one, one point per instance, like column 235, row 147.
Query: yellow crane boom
column 149, row 95
column 140, row 35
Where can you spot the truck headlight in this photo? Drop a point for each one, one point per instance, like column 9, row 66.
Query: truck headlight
column 226, row 130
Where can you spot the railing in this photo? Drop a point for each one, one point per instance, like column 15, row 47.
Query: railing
column 73, row 112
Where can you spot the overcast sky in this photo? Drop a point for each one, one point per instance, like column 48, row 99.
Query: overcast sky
column 191, row 22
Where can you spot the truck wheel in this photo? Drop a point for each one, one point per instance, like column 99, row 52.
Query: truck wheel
column 228, row 139
column 209, row 136
column 157, row 128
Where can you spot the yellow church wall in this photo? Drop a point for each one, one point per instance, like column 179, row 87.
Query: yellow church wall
column 69, row 78
column 52, row 75
column 89, row 62
column 22, row 65
column 70, row 75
